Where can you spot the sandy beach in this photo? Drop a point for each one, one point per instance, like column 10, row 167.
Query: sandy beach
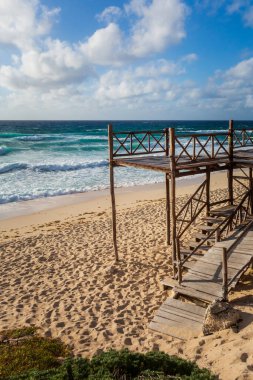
column 58, row 273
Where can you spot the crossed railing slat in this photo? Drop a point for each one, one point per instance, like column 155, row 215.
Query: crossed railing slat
column 192, row 208
column 139, row 143
column 237, row 217
column 242, row 138
column 187, row 147
column 195, row 148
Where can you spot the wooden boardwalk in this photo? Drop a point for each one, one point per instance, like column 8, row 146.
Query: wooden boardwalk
column 203, row 283
column 203, row 273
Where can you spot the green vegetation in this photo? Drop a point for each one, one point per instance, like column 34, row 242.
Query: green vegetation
column 26, row 356
column 19, row 333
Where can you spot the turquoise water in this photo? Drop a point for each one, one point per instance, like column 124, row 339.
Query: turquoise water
column 48, row 158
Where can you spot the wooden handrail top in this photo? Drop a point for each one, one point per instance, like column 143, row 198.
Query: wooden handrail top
column 220, row 133
column 184, row 135
column 138, row 132
column 193, row 146
column 243, row 129
column 205, row 134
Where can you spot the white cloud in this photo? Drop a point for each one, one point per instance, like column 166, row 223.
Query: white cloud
column 152, row 81
column 212, row 6
column 189, row 58
column 248, row 16
column 47, row 63
column 160, row 24
column 241, row 7
column 236, row 6
column 244, row 8
column 48, row 74
column 21, row 21
column 230, row 90
column 243, row 70
column 106, row 46
column 112, row 46
column 58, row 65
column 109, row 14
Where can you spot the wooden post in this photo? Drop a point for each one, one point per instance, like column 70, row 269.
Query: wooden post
column 167, row 187
column 224, row 274
column 179, row 265
column 114, row 221
column 251, row 190
column 207, row 191
column 243, row 137
column 167, row 184
column 231, row 159
column 217, row 235
column 173, row 198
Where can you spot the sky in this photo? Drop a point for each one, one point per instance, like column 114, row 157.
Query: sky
column 132, row 59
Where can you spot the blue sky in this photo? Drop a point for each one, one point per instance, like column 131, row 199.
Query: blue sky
column 133, row 59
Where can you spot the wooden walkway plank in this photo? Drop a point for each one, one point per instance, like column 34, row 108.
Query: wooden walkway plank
column 162, row 316
column 185, row 306
column 193, row 293
column 174, row 331
column 181, row 313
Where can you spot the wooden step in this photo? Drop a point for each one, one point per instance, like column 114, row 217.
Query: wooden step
column 210, row 270
column 185, row 306
column 194, row 244
column 222, row 211
column 193, row 293
column 212, row 220
column 169, row 283
column 199, row 237
column 186, row 252
column 179, row 319
column 206, row 228
column 189, row 264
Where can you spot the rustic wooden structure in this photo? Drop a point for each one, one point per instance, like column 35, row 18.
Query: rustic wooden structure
column 209, row 277
column 181, row 155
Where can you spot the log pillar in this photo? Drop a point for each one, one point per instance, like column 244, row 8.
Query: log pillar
column 231, row 158
column 114, row 221
column 167, row 189
column 173, row 198
column 208, row 177
column 251, row 190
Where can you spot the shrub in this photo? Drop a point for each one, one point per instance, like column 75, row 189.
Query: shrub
column 37, row 358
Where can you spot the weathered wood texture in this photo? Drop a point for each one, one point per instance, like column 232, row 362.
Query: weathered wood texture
column 114, row 222
column 179, row 155
column 204, row 282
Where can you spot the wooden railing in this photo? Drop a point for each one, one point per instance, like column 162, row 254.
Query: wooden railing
column 187, row 147
column 225, row 252
column 242, row 137
column 240, row 215
column 139, row 142
column 201, row 146
column 191, row 209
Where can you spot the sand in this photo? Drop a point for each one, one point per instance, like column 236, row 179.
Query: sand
column 58, row 273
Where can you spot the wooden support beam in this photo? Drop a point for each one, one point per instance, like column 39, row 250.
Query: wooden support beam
column 114, row 221
column 173, row 197
column 231, row 163
column 207, row 191
column 224, row 274
column 167, row 184
column 251, row 188
column 179, row 263
column 167, row 187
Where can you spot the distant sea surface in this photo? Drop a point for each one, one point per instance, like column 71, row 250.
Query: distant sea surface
column 47, row 158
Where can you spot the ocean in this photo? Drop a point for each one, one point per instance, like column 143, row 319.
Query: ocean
column 48, row 158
